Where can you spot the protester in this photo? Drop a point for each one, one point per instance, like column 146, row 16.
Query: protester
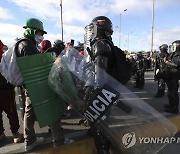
column 1, row 49
column 79, row 58
column 71, row 52
column 8, row 105
column 45, row 45
column 33, row 35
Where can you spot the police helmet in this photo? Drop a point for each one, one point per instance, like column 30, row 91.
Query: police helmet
column 103, row 23
column 58, row 42
column 100, row 27
column 176, row 45
column 139, row 54
column 163, row 47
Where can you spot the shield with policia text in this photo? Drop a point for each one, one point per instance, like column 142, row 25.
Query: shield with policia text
column 125, row 119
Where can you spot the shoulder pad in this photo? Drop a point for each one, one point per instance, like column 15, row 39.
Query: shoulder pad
column 102, row 48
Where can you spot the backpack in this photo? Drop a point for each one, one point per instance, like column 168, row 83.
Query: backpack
column 8, row 66
column 119, row 66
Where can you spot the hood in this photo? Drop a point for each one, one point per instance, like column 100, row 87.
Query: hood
column 45, row 44
column 29, row 33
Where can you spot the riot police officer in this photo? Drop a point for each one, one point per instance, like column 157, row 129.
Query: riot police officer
column 98, row 43
column 139, row 71
column 159, row 66
column 171, row 75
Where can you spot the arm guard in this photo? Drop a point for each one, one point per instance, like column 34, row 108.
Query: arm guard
column 102, row 48
column 102, row 53
column 171, row 64
column 176, row 60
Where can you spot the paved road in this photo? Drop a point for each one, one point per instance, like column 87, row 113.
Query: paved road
column 77, row 132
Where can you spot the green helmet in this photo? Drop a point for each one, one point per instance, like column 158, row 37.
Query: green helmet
column 35, row 24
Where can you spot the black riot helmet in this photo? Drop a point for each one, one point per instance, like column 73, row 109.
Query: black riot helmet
column 59, row 44
column 163, row 47
column 99, row 28
column 103, row 23
column 139, row 55
column 176, row 46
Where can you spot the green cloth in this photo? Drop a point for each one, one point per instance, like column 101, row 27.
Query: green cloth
column 29, row 32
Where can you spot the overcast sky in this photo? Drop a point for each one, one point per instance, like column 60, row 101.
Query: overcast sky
column 136, row 22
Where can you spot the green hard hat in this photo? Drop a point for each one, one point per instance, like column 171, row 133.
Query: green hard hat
column 35, row 24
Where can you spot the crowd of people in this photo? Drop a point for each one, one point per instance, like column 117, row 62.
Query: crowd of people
column 166, row 72
column 99, row 46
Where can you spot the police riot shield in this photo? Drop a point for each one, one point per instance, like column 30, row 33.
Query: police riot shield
column 127, row 121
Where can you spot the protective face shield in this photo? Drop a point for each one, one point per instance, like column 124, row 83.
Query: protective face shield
column 176, row 46
column 89, row 35
column 170, row 50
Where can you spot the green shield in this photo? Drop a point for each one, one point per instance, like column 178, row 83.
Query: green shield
column 47, row 105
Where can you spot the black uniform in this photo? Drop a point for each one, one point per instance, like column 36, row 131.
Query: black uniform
column 8, row 105
column 139, row 72
column 159, row 66
column 99, row 47
column 171, row 76
column 133, row 68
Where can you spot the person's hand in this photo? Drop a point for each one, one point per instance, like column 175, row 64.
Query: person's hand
column 165, row 60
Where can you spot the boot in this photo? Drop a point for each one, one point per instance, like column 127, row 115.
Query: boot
column 136, row 86
column 17, row 137
column 2, row 136
column 167, row 106
column 159, row 94
column 172, row 110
